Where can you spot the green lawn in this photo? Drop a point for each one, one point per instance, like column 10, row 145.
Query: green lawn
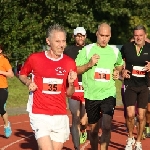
column 118, row 88
column 18, row 93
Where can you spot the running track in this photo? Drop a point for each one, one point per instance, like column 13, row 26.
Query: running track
column 23, row 138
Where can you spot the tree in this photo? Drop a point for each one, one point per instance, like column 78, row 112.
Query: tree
column 24, row 23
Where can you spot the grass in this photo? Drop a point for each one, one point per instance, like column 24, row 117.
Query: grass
column 118, row 88
column 18, row 93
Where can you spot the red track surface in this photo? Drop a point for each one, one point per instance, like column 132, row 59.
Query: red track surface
column 23, row 138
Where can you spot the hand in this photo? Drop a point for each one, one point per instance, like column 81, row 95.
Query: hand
column 125, row 73
column 147, row 66
column 115, row 74
column 32, row 86
column 1, row 72
column 72, row 77
column 94, row 60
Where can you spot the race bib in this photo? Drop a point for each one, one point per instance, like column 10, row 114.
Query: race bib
column 52, row 85
column 102, row 75
column 138, row 71
column 79, row 88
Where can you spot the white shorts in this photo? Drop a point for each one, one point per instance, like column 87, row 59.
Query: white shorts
column 57, row 126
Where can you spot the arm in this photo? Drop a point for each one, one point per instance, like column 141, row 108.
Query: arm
column 70, row 90
column 72, row 81
column 26, row 69
column 120, row 63
column 93, row 61
column 7, row 69
column 82, row 62
column 83, row 68
column 119, row 68
column 8, row 73
column 25, row 80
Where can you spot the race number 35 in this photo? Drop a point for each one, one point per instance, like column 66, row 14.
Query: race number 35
column 52, row 85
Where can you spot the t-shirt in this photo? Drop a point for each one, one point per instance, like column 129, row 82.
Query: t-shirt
column 4, row 66
column 51, row 78
column 72, row 51
column 97, row 81
column 135, row 64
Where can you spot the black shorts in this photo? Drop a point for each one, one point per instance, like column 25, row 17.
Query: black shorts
column 94, row 107
column 136, row 94
column 3, row 99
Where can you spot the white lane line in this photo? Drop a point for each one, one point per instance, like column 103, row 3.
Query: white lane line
column 15, row 123
column 3, row 148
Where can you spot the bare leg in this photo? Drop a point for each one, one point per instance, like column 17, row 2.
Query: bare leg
column 106, row 131
column 141, row 119
column 130, row 119
column 57, row 145
column 94, row 136
column 45, row 143
column 5, row 119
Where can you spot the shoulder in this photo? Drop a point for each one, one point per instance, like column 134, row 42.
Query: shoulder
column 68, row 60
column 128, row 45
column 113, row 47
column 37, row 54
column 4, row 59
column 147, row 44
column 89, row 46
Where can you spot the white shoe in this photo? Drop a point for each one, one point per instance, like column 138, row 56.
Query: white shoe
column 138, row 146
column 130, row 143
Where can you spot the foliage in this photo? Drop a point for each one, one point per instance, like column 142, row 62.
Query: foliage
column 23, row 23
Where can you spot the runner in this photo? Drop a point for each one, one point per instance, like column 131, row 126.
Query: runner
column 147, row 124
column 99, row 86
column 77, row 102
column 136, row 55
column 5, row 71
column 53, row 80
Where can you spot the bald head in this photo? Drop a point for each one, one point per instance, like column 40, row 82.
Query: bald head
column 104, row 26
column 103, row 34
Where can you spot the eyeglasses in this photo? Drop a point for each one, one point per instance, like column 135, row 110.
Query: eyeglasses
column 80, row 36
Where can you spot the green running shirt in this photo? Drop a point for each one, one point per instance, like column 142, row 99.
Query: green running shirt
column 98, row 82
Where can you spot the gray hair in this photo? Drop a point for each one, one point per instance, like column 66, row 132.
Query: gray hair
column 52, row 28
column 140, row 27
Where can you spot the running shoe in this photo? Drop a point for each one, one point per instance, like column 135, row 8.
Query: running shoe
column 138, row 146
column 7, row 130
column 130, row 143
column 83, row 137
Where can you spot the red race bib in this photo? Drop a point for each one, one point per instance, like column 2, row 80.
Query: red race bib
column 52, row 85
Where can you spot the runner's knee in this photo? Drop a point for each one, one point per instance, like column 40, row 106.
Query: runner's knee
column 106, row 126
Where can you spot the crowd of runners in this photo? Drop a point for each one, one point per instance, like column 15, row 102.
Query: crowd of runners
column 85, row 74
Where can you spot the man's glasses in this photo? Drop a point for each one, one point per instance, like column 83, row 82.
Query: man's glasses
column 79, row 36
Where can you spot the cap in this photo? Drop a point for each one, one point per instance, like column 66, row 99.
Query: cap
column 80, row 30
